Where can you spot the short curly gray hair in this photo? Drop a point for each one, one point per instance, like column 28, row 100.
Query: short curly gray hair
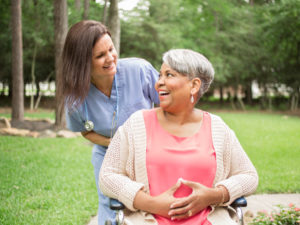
column 192, row 64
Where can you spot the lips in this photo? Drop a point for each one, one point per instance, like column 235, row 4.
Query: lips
column 109, row 66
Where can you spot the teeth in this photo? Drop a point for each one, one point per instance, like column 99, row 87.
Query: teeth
column 163, row 93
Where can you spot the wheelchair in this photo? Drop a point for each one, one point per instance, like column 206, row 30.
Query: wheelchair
column 119, row 220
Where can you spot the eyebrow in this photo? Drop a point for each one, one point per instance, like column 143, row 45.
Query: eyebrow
column 167, row 71
column 102, row 52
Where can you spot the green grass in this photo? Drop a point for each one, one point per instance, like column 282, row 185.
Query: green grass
column 46, row 181
column 37, row 114
column 273, row 144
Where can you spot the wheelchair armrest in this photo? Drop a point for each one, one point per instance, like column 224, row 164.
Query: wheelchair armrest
column 116, row 205
column 239, row 202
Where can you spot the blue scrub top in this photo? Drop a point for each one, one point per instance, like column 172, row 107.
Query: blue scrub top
column 133, row 89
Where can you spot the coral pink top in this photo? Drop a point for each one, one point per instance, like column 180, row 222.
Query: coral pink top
column 169, row 158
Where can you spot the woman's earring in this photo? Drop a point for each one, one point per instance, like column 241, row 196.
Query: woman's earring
column 192, row 99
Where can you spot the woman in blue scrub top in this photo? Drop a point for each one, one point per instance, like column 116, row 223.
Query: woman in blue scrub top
column 101, row 92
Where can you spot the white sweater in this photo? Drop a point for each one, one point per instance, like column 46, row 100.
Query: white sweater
column 123, row 172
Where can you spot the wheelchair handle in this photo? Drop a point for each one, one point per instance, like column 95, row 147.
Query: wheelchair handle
column 239, row 202
column 116, row 205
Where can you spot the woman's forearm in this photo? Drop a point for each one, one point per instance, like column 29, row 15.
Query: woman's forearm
column 159, row 205
column 96, row 138
column 144, row 202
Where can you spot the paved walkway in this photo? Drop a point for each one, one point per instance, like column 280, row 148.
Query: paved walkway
column 264, row 202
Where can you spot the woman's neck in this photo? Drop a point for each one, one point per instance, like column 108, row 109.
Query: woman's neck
column 189, row 115
column 181, row 123
column 104, row 85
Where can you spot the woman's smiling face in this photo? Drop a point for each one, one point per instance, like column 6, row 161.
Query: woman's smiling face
column 174, row 89
column 104, row 58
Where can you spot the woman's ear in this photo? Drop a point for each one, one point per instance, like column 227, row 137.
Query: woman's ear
column 196, row 84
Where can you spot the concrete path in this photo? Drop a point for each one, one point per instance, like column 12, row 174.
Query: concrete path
column 256, row 203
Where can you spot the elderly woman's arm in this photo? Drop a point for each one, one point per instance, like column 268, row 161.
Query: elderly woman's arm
column 242, row 179
column 113, row 178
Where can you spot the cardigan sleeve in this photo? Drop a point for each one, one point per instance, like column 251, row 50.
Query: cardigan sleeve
column 114, row 180
column 242, row 178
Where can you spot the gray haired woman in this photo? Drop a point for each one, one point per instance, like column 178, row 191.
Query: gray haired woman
column 177, row 164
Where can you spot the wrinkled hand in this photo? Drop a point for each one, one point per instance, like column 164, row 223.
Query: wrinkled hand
column 188, row 206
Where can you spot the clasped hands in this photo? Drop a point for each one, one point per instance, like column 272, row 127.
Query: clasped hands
column 185, row 207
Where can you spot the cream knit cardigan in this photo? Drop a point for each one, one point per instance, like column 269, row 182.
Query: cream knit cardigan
column 123, row 172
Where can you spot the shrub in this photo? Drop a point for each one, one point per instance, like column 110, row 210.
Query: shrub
column 285, row 216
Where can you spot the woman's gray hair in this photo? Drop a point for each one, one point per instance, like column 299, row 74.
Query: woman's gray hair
column 192, row 64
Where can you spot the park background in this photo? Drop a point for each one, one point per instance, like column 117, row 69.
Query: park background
column 253, row 45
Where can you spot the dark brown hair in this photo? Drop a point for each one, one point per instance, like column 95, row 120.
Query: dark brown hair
column 75, row 69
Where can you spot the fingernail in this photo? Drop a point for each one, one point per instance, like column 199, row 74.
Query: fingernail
column 171, row 206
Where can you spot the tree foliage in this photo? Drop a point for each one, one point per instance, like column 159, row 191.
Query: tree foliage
column 245, row 40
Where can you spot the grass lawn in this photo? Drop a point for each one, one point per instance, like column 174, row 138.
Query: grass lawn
column 272, row 142
column 37, row 114
column 46, row 181
column 51, row 181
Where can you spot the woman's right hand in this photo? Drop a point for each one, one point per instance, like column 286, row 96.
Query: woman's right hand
column 159, row 205
column 165, row 200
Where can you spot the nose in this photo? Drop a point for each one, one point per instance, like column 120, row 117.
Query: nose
column 161, row 81
column 110, row 56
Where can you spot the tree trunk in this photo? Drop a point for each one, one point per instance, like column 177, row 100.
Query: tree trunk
column 33, row 76
column 41, row 93
column 221, row 95
column 104, row 16
column 86, row 9
column 240, row 100
column 249, row 93
column 17, row 62
column 77, row 5
column 114, row 23
column 60, row 31
column 294, row 101
column 263, row 102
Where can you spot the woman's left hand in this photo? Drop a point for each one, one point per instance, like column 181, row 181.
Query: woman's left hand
column 188, row 206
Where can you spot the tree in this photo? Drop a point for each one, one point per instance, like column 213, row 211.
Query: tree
column 152, row 28
column 17, row 62
column 60, row 31
column 282, row 39
column 78, row 5
column 38, row 50
column 104, row 15
column 86, row 9
column 114, row 23
column 5, row 44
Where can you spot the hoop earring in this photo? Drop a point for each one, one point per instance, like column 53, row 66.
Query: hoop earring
column 192, row 99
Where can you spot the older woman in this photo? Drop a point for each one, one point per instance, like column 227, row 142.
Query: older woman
column 177, row 164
